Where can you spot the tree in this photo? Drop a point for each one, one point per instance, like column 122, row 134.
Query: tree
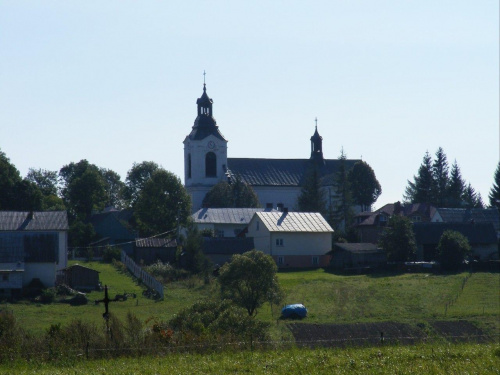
column 47, row 183
column 494, row 195
column 136, row 179
column 364, row 185
column 312, row 195
column 250, row 280
column 420, row 190
column 114, row 188
column 456, row 187
column 84, row 189
column 235, row 195
column 192, row 257
column 440, row 178
column 16, row 193
column 343, row 214
column 162, row 205
column 453, row 247
column 471, row 198
column 398, row 239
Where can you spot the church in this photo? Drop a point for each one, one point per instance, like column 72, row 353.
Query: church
column 277, row 182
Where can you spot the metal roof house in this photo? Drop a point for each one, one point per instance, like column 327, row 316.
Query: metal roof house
column 225, row 222
column 293, row 239
column 32, row 245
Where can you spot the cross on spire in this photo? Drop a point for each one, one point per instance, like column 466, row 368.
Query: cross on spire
column 316, row 121
column 204, row 74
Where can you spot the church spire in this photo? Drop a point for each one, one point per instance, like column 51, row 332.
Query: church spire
column 316, row 145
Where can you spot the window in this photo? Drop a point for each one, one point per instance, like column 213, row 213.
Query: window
column 5, row 277
column 219, row 233
column 281, row 261
column 189, row 166
column 416, row 218
column 382, row 218
column 279, row 241
column 315, row 261
column 211, row 165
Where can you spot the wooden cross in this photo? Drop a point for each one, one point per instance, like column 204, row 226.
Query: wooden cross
column 204, row 74
column 106, row 301
column 316, row 121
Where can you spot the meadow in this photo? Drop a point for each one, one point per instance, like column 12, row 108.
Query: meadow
column 330, row 298
column 429, row 359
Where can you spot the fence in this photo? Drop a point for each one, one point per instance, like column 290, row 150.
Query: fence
column 142, row 275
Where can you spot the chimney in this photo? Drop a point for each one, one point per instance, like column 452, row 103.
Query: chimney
column 30, row 215
column 285, row 210
column 280, row 207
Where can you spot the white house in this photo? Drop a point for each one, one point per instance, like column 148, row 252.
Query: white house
column 293, row 239
column 225, row 222
column 32, row 245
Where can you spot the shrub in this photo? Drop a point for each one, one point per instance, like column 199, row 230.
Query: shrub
column 111, row 253
column 453, row 247
column 165, row 272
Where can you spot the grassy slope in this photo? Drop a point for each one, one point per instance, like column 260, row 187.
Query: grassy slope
column 419, row 359
column 330, row 298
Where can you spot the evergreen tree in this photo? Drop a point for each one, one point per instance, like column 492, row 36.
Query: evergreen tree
column 312, row 196
column 494, row 195
column 471, row 198
column 456, row 187
column 398, row 239
column 364, row 185
column 440, row 178
column 343, row 213
column 420, row 191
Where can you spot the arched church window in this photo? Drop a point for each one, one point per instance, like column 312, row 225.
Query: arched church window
column 189, row 166
column 211, row 165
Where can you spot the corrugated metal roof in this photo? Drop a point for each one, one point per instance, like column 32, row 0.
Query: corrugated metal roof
column 155, row 242
column 294, row 222
column 225, row 215
column 282, row 172
column 38, row 221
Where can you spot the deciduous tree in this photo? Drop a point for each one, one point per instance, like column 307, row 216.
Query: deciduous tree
column 364, row 185
column 250, row 280
column 137, row 177
column 398, row 239
column 453, row 247
column 237, row 194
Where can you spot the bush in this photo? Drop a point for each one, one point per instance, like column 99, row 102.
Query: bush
column 453, row 247
column 165, row 272
column 48, row 295
column 111, row 253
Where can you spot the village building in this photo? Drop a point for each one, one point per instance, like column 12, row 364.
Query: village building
column 277, row 182
column 33, row 245
column 293, row 239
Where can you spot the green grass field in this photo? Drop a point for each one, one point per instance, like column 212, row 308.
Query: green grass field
column 330, row 298
column 426, row 359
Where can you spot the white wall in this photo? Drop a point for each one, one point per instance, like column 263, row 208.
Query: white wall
column 46, row 272
column 63, row 250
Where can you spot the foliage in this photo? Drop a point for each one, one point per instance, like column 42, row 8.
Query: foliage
column 17, row 193
column 114, row 188
column 217, row 321
column 398, row 239
column 136, row 179
column 494, row 195
column 453, row 247
column 343, row 214
column 420, row 191
column 111, row 252
column 192, row 257
column 165, row 272
column 236, row 194
column 471, row 199
column 83, row 190
column 163, row 204
column 364, row 185
column 312, row 196
column 440, row 178
column 80, row 234
column 45, row 180
column 456, row 187
column 250, row 280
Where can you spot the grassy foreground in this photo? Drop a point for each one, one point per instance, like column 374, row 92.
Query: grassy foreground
column 420, row 359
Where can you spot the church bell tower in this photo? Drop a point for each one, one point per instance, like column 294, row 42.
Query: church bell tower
column 205, row 153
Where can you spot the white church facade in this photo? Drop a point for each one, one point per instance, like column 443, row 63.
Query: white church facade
column 277, row 182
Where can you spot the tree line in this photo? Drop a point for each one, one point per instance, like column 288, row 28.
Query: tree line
column 156, row 196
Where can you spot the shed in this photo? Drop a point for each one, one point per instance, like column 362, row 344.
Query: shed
column 80, row 277
column 150, row 250
column 357, row 256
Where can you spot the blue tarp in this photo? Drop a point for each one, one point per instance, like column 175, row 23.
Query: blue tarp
column 296, row 310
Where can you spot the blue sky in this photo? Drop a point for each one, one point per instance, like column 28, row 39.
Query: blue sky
column 116, row 82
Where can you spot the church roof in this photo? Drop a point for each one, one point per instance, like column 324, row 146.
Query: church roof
column 294, row 222
column 282, row 172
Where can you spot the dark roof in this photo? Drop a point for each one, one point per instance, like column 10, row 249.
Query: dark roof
column 155, row 242
column 359, row 247
column 282, row 172
column 123, row 216
column 33, row 221
column 477, row 233
column 204, row 126
column 478, row 215
column 80, row 266
column 227, row 245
